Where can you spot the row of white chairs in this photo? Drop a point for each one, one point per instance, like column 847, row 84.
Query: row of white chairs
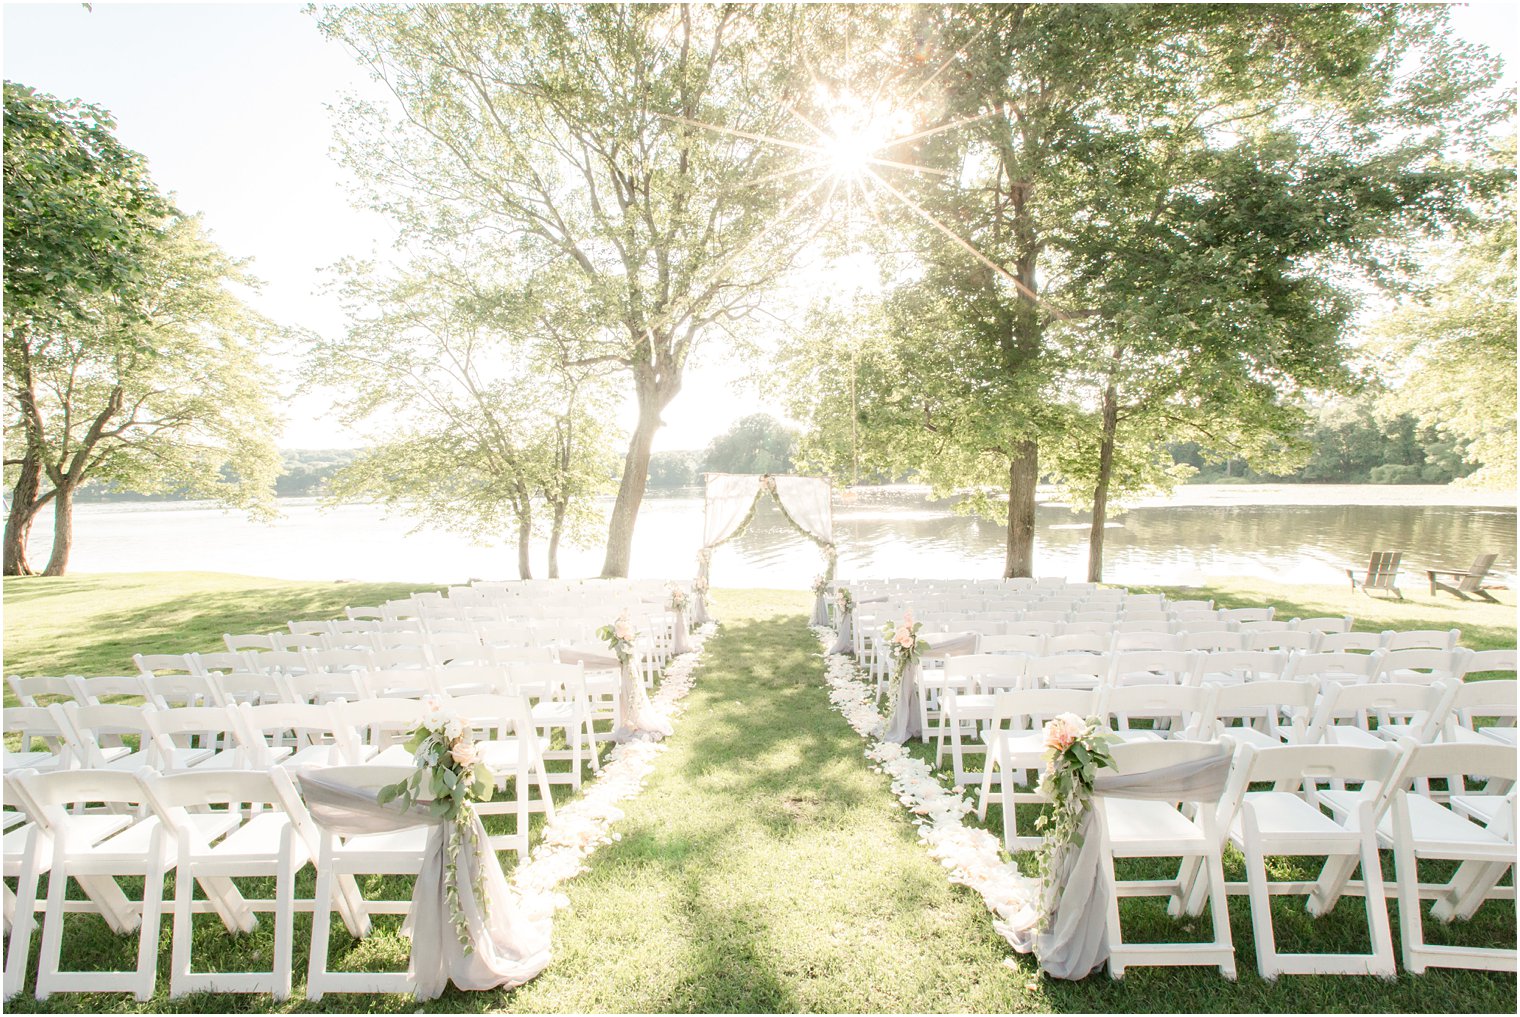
column 561, row 696
column 206, row 826
column 1344, row 803
column 1006, row 726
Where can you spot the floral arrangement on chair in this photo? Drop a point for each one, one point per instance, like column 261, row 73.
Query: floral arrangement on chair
column 1075, row 750
column 820, row 585
column 903, row 647
column 678, row 597
column 450, row 777
column 619, row 637
column 845, row 599
column 699, row 584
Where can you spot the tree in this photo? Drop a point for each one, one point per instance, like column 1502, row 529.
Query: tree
column 483, row 418
column 1143, row 220
column 1454, row 342
column 574, row 134
column 80, row 214
column 757, row 444
column 155, row 389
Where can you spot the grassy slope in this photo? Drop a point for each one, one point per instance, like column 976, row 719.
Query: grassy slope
column 764, row 868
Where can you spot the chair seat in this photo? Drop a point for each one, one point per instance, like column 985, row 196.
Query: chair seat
column 1251, row 736
column 1156, row 827
column 971, row 706
column 393, row 755
column 504, row 755
column 1483, row 808
column 41, row 761
column 1438, row 830
column 555, row 711
column 1502, row 735
column 603, row 683
column 314, row 757
column 1345, row 734
column 399, row 844
column 133, row 842
column 257, row 839
column 1284, row 816
column 1139, row 735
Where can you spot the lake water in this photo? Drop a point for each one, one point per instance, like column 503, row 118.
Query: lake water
column 1289, row 533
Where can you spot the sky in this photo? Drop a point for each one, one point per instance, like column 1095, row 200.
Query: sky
column 230, row 105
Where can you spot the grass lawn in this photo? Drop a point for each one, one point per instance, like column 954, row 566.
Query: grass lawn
column 763, row 868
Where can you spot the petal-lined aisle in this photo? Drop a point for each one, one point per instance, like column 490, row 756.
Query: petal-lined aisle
column 765, row 867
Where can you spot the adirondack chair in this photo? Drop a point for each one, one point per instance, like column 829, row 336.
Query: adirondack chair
column 1382, row 574
column 1470, row 581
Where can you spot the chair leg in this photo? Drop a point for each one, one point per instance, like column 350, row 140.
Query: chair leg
column 321, row 922
column 1382, row 963
column 284, row 925
column 52, row 930
column 147, row 934
column 1468, row 889
column 1261, row 906
column 184, row 931
column 1221, row 913
column 23, row 922
column 1406, row 874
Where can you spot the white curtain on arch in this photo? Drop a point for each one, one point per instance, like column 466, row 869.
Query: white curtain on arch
column 806, row 500
column 730, row 496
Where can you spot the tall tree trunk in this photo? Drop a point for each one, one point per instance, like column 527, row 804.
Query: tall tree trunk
column 654, row 395
column 1100, row 492
column 1023, row 477
column 556, row 529
column 63, row 530
column 524, row 542
column 23, row 511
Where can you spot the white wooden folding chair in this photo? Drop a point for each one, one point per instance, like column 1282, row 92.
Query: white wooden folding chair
column 560, row 702
column 219, row 663
column 1237, row 667
column 1136, row 828
column 381, row 726
column 1417, row 665
column 175, row 734
column 142, row 849
column 1015, row 746
column 1346, row 713
column 1265, row 714
column 167, row 691
column 1153, row 667
column 971, row 684
column 1421, row 639
column 41, row 740
column 89, row 731
column 1288, row 821
column 1213, row 640
column 1420, row 829
column 1282, row 640
column 272, row 836
column 1083, row 671
column 339, row 860
column 1493, row 700
column 511, row 748
column 1333, row 667
column 41, row 690
column 1172, row 711
column 314, row 733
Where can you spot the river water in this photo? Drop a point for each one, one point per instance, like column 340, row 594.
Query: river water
column 1288, row 533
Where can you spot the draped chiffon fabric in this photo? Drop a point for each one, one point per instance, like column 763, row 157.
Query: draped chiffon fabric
column 508, row 947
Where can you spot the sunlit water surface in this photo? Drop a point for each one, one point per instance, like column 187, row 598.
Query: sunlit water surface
column 1288, row 533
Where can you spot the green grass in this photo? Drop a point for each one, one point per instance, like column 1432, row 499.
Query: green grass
column 763, row 868
column 92, row 624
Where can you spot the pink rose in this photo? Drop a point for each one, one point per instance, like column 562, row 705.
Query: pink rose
column 908, row 619
column 464, row 753
column 1060, row 733
column 903, row 636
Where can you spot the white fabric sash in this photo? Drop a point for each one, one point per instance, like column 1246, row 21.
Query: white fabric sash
column 905, row 722
column 1075, row 942
column 508, row 947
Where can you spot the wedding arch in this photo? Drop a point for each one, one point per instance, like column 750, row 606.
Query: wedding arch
column 806, row 502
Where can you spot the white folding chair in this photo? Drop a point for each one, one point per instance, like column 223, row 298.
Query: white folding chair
column 1288, row 821
column 1172, row 711
column 276, row 840
column 972, row 682
column 1015, row 744
column 1145, row 828
column 1282, row 640
column 1417, row 665
column 1153, row 667
column 28, row 691
column 89, row 731
column 1399, row 709
column 380, row 725
column 1269, row 713
column 42, row 742
column 1493, row 699
column 1420, row 829
column 560, row 701
column 142, row 849
column 167, row 691
column 219, row 663
column 1218, row 640
column 1239, row 615
column 339, row 860
column 1421, row 639
column 314, row 733
column 1144, row 639
column 1331, row 668
column 1350, row 642
column 1325, row 624
column 1238, row 667
column 512, row 749
column 1084, row 671
column 175, row 733
column 248, row 641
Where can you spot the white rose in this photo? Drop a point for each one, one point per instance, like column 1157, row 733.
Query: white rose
column 453, row 729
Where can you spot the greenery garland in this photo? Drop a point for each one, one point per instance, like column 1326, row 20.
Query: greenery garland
column 1075, row 750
